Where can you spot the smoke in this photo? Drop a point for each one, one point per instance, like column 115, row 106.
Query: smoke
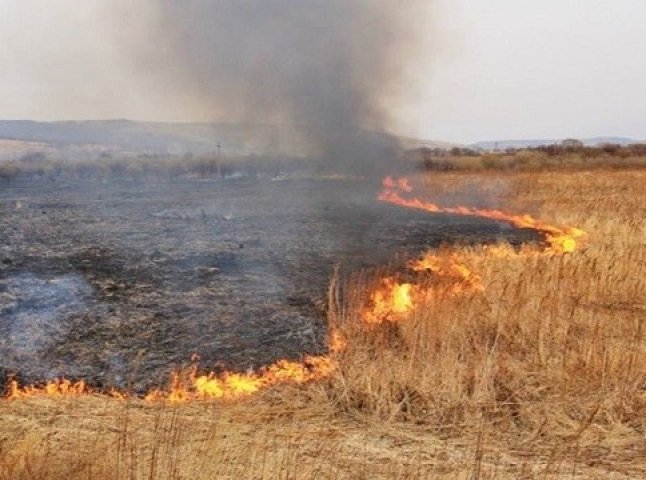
column 325, row 72
column 35, row 312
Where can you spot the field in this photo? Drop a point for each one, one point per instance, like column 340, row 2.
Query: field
column 118, row 281
column 538, row 373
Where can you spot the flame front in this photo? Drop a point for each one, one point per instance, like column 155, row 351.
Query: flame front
column 185, row 388
column 393, row 300
column 450, row 268
column 390, row 301
column 559, row 239
column 54, row 388
column 190, row 386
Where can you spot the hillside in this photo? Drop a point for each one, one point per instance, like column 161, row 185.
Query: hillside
column 532, row 143
column 126, row 136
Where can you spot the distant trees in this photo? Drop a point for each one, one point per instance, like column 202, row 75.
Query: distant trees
column 572, row 143
column 33, row 158
column 570, row 153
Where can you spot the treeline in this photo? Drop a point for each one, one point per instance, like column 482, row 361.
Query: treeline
column 557, row 155
column 168, row 166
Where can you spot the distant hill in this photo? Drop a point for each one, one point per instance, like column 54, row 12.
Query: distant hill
column 94, row 138
column 590, row 142
column 415, row 143
column 126, row 136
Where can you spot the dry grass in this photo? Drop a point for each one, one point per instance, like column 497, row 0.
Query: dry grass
column 533, row 160
column 542, row 375
column 552, row 353
column 154, row 166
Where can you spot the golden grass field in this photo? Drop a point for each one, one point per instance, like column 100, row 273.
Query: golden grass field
column 540, row 375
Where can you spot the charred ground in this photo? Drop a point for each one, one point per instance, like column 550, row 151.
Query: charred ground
column 119, row 281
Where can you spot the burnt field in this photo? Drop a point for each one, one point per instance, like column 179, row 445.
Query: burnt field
column 118, row 282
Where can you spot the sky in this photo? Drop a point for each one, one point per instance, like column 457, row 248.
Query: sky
column 486, row 69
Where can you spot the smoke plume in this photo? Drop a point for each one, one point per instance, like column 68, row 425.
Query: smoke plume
column 326, row 71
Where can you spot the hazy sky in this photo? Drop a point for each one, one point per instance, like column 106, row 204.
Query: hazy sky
column 489, row 69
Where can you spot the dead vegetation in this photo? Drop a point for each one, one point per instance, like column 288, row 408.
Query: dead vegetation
column 39, row 161
column 552, row 351
column 541, row 375
column 131, row 166
column 559, row 157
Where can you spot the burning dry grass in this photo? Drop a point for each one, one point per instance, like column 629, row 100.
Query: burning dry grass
column 538, row 372
column 536, row 349
column 551, row 349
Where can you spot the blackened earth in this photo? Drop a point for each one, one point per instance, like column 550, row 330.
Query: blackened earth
column 120, row 281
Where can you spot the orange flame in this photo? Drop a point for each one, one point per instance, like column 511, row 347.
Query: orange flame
column 190, row 386
column 55, row 388
column 336, row 341
column 559, row 239
column 393, row 301
column 450, row 268
column 185, row 388
column 390, row 301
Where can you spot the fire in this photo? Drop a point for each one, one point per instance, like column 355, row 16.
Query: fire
column 186, row 388
column 54, row 388
column 402, row 184
column 191, row 386
column 564, row 241
column 391, row 301
column 336, row 341
column 559, row 239
column 450, row 268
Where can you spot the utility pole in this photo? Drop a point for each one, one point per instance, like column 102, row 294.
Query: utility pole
column 219, row 160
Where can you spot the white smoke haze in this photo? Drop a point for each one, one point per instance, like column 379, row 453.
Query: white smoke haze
column 327, row 71
column 35, row 312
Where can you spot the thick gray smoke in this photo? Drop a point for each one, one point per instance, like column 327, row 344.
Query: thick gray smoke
column 326, row 71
